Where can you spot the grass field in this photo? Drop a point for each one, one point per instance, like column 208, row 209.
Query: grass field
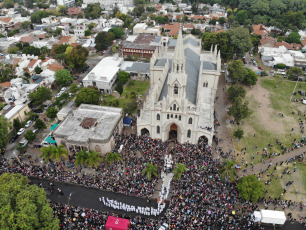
column 267, row 100
column 296, row 191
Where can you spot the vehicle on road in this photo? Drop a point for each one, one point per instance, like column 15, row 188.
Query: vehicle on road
column 21, row 131
column 58, row 95
column 14, row 138
column 63, row 89
column 76, row 77
column 260, row 68
column 28, row 123
column 47, row 106
column 23, row 142
column 35, row 131
column 38, row 111
column 35, row 117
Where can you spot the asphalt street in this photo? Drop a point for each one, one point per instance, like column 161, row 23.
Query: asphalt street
column 89, row 197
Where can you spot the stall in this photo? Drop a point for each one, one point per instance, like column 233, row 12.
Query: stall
column 115, row 223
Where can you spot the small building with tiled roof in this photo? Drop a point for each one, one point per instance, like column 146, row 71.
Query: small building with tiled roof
column 67, row 40
column 172, row 29
column 6, row 84
column 285, row 44
column 74, row 11
column 267, row 41
column 260, row 30
column 55, row 67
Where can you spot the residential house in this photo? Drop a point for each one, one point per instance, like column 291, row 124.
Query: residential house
column 74, row 11
column 285, row 44
column 67, row 3
column 115, row 22
column 267, row 41
column 260, row 30
column 142, row 28
column 172, row 29
column 32, row 65
column 79, row 30
column 67, row 40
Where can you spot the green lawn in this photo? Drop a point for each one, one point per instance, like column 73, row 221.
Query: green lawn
column 280, row 103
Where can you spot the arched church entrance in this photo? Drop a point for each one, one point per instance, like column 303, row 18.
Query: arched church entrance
column 144, row 132
column 173, row 132
column 203, row 142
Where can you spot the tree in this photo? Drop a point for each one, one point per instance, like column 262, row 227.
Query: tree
column 76, row 59
column 250, row 188
column 241, row 40
column 123, row 77
column 222, row 20
column 119, row 88
column 115, row 48
column 38, row 15
column 87, row 96
column 235, row 91
column 92, row 11
column 212, row 21
column 238, row 133
column 294, row 72
column 26, row 25
column 58, row 153
column 24, row 206
column 37, row 70
column 51, row 112
column 8, row 4
column 241, row 16
column 31, row 50
column 39, row 124
column 30, row 136
column 94, row 159
column 104, row 40
column 63, row 77
column 87, row 33
column 112, row 157
column 179, row 170
column 39, row 96
column 250, row 77
column 118, row 32
column 16, row 124
column 280, row 66
column 194, row 8
column 239, row 109
column 227, row 170
column 12, row 50
column 294, row 37
column 3, row 132
column 62, row 9
column 130, row 106
column 150, row 170
column 46, row 152
column 237, row 71
column 81, row 157
column 74, row 88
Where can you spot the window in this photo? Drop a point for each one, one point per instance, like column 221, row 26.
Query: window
column 170, row 108
column 189, row 133
column 180, row 117
column 190, row 121
column 171, row 115
column 167, row 116
column 174, row 107
column 175, row 116
column 177, row 68
column 158, row 117
column 175, row 89
column 178, row 108
column 158, row 129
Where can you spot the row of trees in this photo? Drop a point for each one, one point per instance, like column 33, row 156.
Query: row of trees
column 235, row 41
column 240, row 74
column 104, row 39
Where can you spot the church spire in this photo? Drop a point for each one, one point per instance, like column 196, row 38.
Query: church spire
column 179, row 56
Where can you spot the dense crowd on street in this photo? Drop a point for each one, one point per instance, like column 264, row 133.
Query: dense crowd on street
column 200, row 199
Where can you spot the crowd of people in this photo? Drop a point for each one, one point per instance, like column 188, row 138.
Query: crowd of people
column 199, row 200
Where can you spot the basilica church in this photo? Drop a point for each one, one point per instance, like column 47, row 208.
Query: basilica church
column 183, row 85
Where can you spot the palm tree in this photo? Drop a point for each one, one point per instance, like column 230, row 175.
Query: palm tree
column 46, row 152
column 179, row 170
column 112, row 157
column 150, row 170
column 81, row 157
column 59, row 152
column 227, row 170
column 93, row 159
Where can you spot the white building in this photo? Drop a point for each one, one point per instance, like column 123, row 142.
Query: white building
column 79, row 30
column 67, row 3
column 109, row 3
column 90, row 127
column 142, row 28
column 183, row 85
column 104, row 74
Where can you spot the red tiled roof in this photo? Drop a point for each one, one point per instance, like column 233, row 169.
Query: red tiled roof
column 259, row 29
column 174, row 29
column 6, row 84
column 64, row 39
column 267, row 40
column 55, row 67
column 190, row 26
column 74, row 10
column 297, row 45
column 303, row 43
column 32, row 62
column 198, row 17
column 218, row 31
column 26, row 39
column 47, row 59
column 6, row 20
column 286, row 44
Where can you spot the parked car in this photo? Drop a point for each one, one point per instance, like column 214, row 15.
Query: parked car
column 63, row 89
column 35, row 117
column 35, row 131
column 301, row 92
column 28, row 123
column 23, row 142
column 14, row 138
column 58, row 95
column 37, row 110
column 260, row 68
column 21, row 131
column 76, row 77
column 47, row 106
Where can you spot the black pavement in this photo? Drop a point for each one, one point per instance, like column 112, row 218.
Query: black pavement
column 89, row 197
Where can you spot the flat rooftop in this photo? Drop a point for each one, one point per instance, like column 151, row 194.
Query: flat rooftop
column 89, row 122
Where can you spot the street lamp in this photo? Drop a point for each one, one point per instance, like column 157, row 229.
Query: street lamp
column 17, row 157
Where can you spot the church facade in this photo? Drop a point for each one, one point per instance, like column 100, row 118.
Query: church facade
column 183, row 84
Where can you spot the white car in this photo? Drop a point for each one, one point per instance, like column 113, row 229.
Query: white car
column 28, row 124
column 21, row 131
column 59, row 94
column 35, row 131
column 63, row 89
